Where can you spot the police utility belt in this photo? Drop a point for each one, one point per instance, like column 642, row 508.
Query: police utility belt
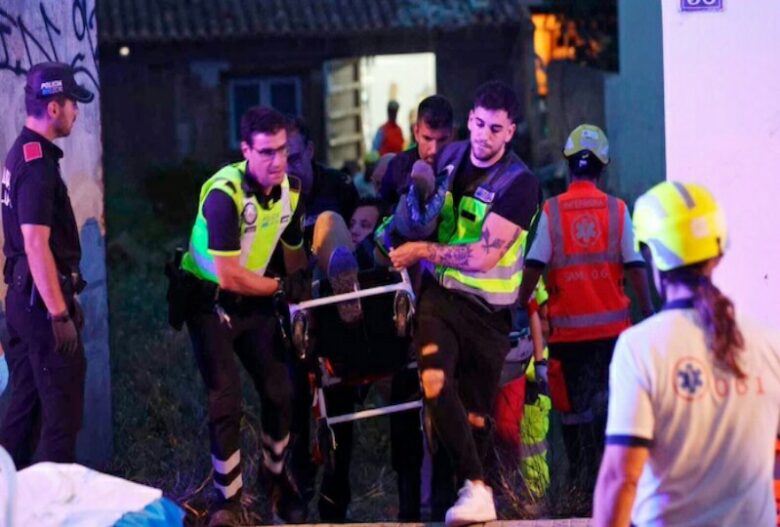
column 18, row 277
column 188, row 294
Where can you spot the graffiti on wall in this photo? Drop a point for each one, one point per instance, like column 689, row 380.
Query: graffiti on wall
column 43, row 40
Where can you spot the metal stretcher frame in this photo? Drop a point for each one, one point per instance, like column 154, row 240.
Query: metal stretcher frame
column 326, row 379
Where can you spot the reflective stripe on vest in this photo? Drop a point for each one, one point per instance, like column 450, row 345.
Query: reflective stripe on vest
column 260, row 227
column 594, row 319
column 500, row 285
column 585, row 278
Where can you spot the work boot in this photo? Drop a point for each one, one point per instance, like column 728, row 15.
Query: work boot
column 225, row 513
column 343, row 278
column 475, row 505
column 287, row 501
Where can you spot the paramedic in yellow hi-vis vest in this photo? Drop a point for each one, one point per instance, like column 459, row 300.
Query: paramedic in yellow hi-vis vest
column 245, row 210
column 464, row 314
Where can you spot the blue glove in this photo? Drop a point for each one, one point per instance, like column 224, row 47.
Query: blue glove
column 540, row 371
column 3, row 374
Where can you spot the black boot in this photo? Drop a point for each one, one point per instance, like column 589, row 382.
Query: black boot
column 287, row 502
column 225, row 513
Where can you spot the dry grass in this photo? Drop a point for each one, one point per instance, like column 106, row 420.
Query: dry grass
column 159, row 403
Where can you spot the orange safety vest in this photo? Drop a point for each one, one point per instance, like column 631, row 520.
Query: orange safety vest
column 585, row 278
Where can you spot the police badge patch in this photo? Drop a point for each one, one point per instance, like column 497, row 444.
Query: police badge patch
column 249, row 214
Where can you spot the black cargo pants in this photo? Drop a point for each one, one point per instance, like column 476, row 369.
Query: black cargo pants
column 47, row 388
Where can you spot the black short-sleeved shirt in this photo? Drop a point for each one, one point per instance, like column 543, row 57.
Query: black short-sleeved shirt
column 331, row 190
column 223, row 222
column 396, row 180
column 517, row 204
column 33, row 193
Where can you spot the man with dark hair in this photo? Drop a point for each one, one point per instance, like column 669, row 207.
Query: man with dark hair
column 464, row 314
column 246, row 210
column 585, row 239
column 432, row 131
column 323, row 188
column 45, row 353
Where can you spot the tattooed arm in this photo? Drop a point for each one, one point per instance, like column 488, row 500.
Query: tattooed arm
column 498, row 235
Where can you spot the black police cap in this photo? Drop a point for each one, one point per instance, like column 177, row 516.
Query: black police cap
column 48, row 79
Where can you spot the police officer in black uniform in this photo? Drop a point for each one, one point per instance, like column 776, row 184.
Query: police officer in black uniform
column 42, row 250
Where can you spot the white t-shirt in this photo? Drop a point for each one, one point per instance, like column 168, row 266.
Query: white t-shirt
column 711, row 437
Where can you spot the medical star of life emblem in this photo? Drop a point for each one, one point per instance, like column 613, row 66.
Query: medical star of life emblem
column 586, row 230
column 690, row 379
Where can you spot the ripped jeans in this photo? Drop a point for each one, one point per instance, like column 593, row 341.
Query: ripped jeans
column 460, row 350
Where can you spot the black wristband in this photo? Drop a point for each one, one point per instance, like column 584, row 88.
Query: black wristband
column 62, row 317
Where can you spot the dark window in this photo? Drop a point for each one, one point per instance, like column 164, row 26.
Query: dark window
column 281, row 93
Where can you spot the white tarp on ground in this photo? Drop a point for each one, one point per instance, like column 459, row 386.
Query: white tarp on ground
column 52, row 494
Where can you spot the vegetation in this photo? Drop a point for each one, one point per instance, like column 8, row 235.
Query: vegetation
column 159, row 403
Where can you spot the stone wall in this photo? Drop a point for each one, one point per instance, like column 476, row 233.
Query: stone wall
column 33, row 31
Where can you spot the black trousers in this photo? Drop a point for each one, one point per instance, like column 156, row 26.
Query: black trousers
column 256, row 340
column 335, row 489
column 470, row 345
column 47, row 389
column 405, row 447
column 585, row 368
column 406, row 444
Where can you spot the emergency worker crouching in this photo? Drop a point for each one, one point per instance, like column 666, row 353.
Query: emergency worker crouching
column 245, row 210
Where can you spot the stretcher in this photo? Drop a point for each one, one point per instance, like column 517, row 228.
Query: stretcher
column 355, row 354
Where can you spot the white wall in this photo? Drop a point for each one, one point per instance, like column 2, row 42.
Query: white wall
column 407, row 78
column 722, row 112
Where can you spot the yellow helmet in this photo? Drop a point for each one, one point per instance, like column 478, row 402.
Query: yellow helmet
column 588, row 137
column 681, row 223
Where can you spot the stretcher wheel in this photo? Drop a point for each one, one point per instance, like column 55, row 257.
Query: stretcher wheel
column 326, row 444
column 300, row 334
column 402, row 313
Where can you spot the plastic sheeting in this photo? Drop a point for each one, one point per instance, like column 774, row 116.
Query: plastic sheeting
column 51, row 494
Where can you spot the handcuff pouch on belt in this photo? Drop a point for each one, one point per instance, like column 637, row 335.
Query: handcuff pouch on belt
column 18, row 276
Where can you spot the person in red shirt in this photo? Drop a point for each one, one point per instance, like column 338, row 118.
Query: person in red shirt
column 389, row 139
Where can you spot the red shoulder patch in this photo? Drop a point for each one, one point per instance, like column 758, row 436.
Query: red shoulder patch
column 32, row 151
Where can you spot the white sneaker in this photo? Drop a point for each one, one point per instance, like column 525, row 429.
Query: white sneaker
column 474, row 505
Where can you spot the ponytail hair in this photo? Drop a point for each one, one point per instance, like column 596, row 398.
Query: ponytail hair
column 716, row 312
